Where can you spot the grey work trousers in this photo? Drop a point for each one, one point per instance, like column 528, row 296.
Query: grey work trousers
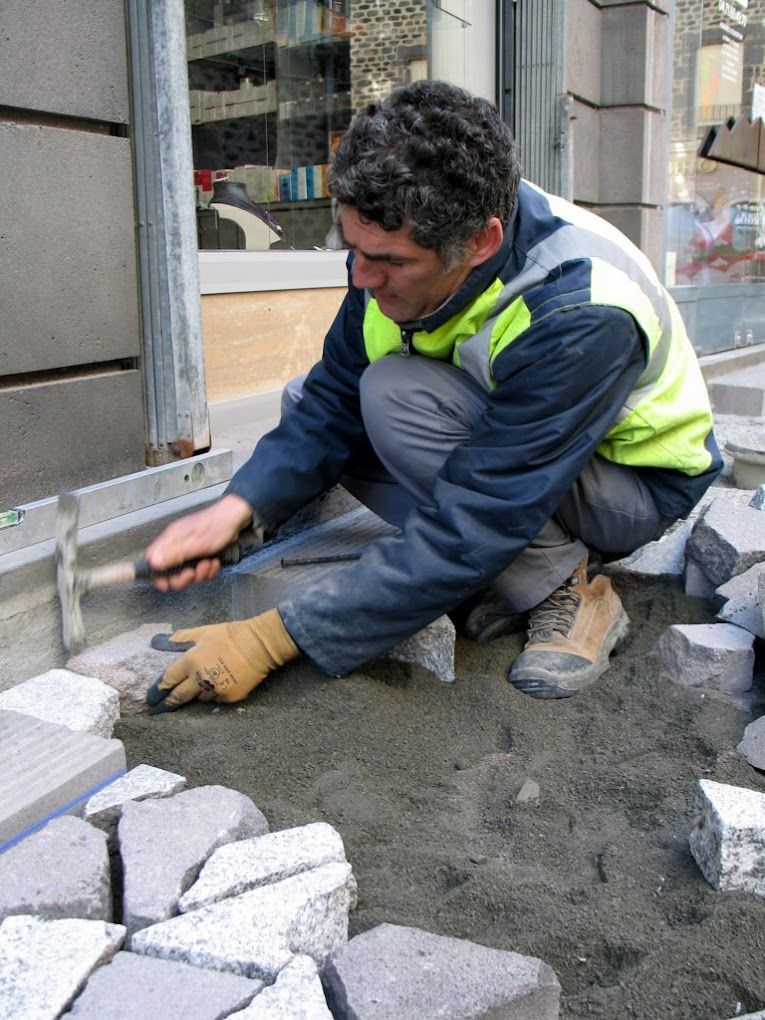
column 417, row 410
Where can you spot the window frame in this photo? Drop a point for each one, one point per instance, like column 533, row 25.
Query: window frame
column 241, row 272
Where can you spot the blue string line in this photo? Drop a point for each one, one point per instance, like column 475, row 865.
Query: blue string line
column 60, row 811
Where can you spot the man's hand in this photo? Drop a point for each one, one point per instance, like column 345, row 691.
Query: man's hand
column 228, row 661
column 199, row 535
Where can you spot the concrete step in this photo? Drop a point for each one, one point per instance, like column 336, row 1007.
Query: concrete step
column 739, row 392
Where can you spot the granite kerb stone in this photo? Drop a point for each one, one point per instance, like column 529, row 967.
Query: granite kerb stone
column 164, row 843
column 297, row 994
column 81, row 703
column 45, row 963
column 432, row 648
column 727, row 540
column 406, row 973
column 257, row 933
column 696, row 582
column 127, row 663
column 663, row 558
column 133, row 987
column 262, row 860
column 728, row 837
column 715, row 656
column 752, row 744
column 739, row 600
column 667, row 556
column 60, row 871
column 144, row 782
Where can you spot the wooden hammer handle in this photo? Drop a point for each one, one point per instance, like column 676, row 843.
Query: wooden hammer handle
column 228, row 556
column 113, row 574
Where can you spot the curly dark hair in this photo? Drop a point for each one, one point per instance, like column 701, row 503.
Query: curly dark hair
column 432, row 156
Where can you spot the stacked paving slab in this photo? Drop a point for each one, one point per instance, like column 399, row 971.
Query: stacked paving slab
column 137, row 897
column 720, row 555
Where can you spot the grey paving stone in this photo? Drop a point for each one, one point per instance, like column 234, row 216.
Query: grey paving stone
column 60, row 871
column 718, row 656
column 740, row 598
column 44, row 964
column 134, row 987
column 295, row 995
column 696, row 582
column 528, row 793
column 757, row 501
column 127, row 663
column 728, row 836
column 238, row 867
column 397, row 973
column 432, row 648
column 257, row 934
column 727, row 540
column 752, row 745
column 663, row 558
column 141, row 783
column 164, row 843
column 59, row 696
column 48, row 769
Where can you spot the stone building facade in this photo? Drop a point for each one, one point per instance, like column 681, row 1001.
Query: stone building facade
column 386, row 39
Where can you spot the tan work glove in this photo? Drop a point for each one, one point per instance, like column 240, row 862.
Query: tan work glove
column 227, row 661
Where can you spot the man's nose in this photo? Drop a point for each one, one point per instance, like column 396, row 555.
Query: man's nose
column 367, row 274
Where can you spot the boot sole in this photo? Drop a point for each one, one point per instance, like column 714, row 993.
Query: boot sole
column 539, row 684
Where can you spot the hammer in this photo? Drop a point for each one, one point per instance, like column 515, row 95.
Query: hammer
column 72, row 583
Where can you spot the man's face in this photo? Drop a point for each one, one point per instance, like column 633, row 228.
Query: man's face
column 407, row 280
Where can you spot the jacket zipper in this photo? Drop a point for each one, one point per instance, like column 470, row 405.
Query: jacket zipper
column 406, row 341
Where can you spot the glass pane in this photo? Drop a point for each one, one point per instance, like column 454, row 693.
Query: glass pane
column 273, row 85
column 715, row 226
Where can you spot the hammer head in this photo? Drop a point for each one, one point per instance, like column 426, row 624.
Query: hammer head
column 72, row 627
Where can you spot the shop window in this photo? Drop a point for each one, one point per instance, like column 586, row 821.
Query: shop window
column 715, row 222
column 273, row 85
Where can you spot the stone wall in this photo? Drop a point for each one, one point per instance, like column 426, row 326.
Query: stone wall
column 384, row 38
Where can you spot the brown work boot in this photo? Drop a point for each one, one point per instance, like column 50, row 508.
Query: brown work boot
column 571, row 635
column 492, row 618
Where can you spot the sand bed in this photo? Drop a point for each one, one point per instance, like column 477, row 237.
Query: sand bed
column 422, row 779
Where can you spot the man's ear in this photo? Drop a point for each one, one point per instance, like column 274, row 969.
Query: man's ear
column 486, row 243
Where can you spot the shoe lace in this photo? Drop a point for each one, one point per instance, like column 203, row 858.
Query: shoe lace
column 555, row 615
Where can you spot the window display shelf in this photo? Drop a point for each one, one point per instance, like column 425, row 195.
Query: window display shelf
column 225, row 39
column 300, row 203
column 268, row 99
column 323, row 39
column 315, row 106
column 247, row 101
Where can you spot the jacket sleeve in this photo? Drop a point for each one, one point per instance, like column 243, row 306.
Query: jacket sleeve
column 307, row 451
column 559, row 388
